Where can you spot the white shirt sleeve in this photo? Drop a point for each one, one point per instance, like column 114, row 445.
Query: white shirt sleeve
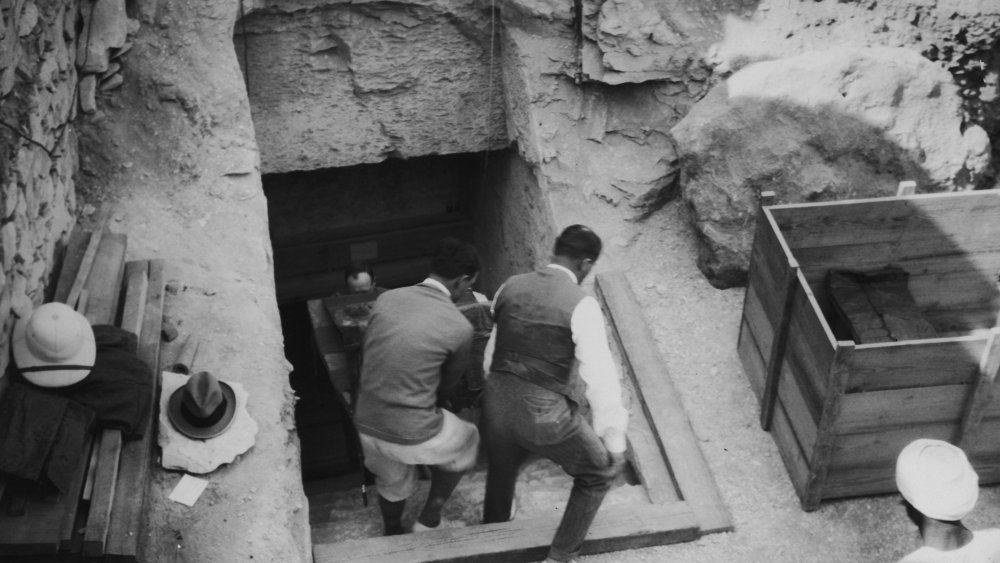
column 491, row 343
column 600, row 372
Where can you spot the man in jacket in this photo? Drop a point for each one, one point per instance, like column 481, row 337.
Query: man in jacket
column 535, row 401
column 416, row 348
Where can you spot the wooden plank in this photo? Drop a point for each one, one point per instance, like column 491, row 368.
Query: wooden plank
column 644, row 451
column 872, row 411
column 781, row 431
column 129, row 508
column 136, row 285
column 311, row 286
column 777, row 356
column 932, row 222
column 99, row 517
column 86, row 263
column 71, row 260
column 982, row 390
column 103, row 285
column 915, row 363
column 662, row 403
column 330, row 349
column 614, row 528
column 819, row 460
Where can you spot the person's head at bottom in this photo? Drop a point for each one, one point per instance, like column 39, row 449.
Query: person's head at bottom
column 577, row 248
column 939, row 487
column 455, row 264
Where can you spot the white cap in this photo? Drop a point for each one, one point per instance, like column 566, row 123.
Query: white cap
column 937, row 479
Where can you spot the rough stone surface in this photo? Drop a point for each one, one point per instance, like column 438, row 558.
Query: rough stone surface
column 105, row 27
column 820, row 126
column 410, row 80
column 38, row 167
column 962, row 36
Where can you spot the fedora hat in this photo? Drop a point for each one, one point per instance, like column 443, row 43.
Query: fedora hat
column 54, row 346
column 203, row 408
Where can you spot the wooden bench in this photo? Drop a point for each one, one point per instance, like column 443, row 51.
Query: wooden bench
column 101, row 518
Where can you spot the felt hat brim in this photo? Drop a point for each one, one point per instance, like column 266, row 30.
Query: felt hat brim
column 190, row 428
column 24, row 358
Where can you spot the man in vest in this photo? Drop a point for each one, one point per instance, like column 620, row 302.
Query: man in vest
column 416, row 349
column 535, row 402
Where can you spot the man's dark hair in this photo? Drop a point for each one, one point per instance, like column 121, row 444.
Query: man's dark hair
column 578, row 242
column 355, row 267
column 454, row 258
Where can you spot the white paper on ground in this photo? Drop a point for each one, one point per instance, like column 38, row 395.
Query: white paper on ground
column 188, row 490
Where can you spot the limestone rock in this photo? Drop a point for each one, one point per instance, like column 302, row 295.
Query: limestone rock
column 29, row 19
column 820, row 126
column 203, row 456
column 112, row 82
column 88, row 92
column 105, row 27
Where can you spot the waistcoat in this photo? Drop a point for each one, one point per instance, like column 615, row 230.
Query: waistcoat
column 534, row 334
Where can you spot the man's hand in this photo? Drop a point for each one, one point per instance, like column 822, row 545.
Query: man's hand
column 617, row 460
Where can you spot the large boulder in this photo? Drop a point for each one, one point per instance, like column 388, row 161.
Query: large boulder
column 824, row 125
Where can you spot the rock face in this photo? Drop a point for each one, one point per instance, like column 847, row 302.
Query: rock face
column 821, row 126
column 371, row 81
column 38, row 167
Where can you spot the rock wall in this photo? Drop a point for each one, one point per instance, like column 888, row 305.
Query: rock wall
column 336, row 84
column 38, row 149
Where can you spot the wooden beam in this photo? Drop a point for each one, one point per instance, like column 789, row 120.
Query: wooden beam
column 71, row 260
column 136, row 286
column 614, row 528
column 982, row 391
column 99, row 517
column 662, row 404
column 128, row 513
column 103, row 285
column 777, row 356
column 87, row 262
column 826, row 434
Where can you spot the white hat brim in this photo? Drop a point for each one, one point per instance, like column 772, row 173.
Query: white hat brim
column 24, row 358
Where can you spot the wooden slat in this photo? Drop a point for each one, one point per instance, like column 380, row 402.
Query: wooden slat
column 662, row 403
column 781, row 430
column 777, row 356
column 330, row 348
column 915, row 363
column 982, row 390
column 874, row 410
column 71, row 260
column 929, row 223
column 134, row 304
column 878, row 448
column 614, row 528
column 103, row 285
column 86, row 263
column 129, row 507
column 99, row 517
column 826, row 438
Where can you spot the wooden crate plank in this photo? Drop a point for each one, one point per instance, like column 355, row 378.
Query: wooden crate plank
column 776, row 358
column 983, row 391
column 87, row 262
column 826, row 438
column 103, row 285
column 662, row 403
column 927, row 223
column 915, row 363
column 98, row 519
column 128, row 511
column 136, row 285
column 71, row 260
column 879, row 449
column 874, row 410
column 781, row 431
column 750, row 357
column 810, row 348
column 614, row 528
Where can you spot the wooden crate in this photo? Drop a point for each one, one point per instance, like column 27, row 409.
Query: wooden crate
column 841, row 411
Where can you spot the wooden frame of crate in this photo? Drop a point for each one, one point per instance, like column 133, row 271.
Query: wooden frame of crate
column 841, row 411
